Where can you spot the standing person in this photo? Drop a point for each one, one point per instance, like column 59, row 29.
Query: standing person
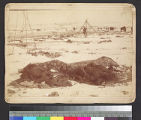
column 74, row 28
column 85, row 31
column 73, row 32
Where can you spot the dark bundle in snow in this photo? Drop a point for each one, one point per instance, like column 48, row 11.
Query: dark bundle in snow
column 103, row 61
column 56, row 73
column 49, row 72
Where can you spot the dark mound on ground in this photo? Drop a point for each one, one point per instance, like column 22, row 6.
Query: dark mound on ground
column 56, row 73
column 103, row 61
column 49, row 72
column 92, row 74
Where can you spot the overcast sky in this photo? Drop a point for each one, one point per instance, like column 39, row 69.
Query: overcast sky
column 96, row 14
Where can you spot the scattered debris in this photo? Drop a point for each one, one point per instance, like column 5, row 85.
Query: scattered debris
column 124, row 48
column 53, row 94
column 24, row 92
column 69, row 41
column 47, row 54
column 75, row 52
column 29, row 84
column 104, row 41
column 125, row 92
column 119, row 36
column 102, row 38
column 94, row 95
column 11, row 91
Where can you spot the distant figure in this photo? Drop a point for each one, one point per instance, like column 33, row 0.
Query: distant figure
column 74, row 28
column 123, row 29
column 85, row 31
column 131, row 29
column 111, row 28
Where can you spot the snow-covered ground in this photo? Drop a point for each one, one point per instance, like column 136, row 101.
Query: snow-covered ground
column 120, row 49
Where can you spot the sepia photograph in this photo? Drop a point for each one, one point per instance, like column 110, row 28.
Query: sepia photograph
column 70, row 53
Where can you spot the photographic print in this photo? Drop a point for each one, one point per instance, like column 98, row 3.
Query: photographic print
column 70, row 53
